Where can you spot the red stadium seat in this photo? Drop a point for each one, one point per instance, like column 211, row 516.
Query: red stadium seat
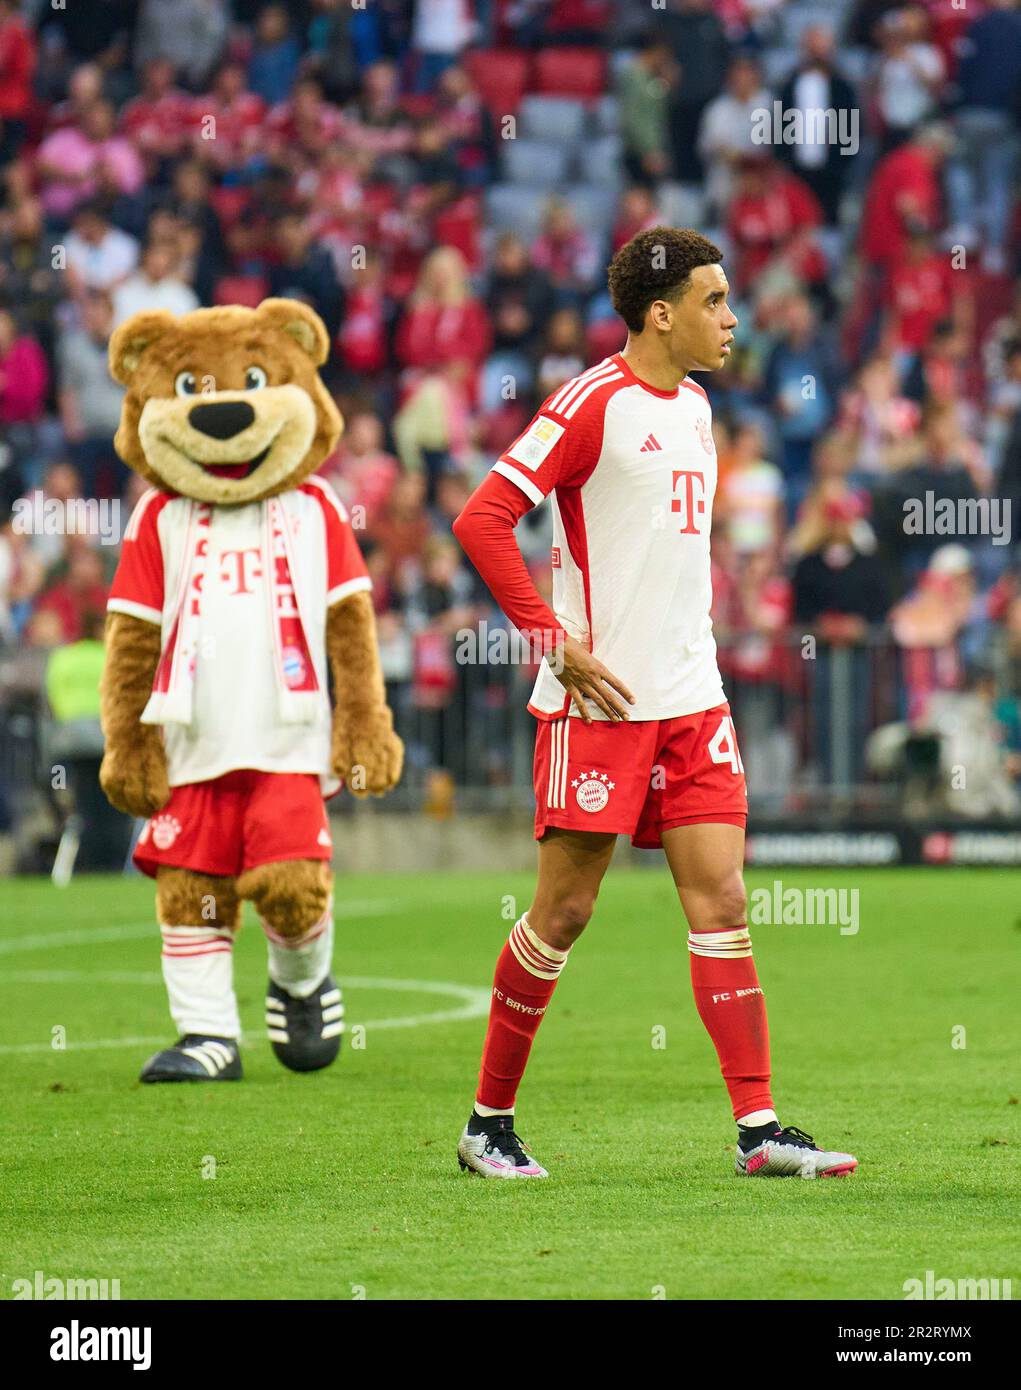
column 247, row 290
column 500, row 75
column 570, row 72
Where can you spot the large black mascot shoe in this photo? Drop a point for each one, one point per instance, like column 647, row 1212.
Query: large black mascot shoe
column 195, row 1058
column 305, row 1033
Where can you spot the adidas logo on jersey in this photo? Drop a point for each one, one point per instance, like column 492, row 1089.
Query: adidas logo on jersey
column 651, row 445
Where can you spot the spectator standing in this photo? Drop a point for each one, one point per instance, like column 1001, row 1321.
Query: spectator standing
column 275, row 56
column 17, row 69
column 191, row 33
column 981, row 176
column 156, row 284
column 644, row 86
column 88, row 397
column 816, row 85
column 699, row 42
column 725, row 131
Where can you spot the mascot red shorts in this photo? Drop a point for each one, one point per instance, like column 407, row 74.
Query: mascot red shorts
column 639, row 779
column 235, row 822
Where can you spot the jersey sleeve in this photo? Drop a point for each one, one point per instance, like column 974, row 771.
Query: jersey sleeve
column 137, row 587
column 561, row 445
column 345, row 566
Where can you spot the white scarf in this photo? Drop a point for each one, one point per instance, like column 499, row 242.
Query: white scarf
column 298, row 690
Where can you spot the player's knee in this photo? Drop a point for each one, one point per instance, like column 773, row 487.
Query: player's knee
column 565, row 921
column 732, row 901
column 290, row 896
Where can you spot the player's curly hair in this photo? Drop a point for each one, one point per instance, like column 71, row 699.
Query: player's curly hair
column 656, row 264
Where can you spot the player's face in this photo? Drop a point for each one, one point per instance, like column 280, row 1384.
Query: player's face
column 703, row 322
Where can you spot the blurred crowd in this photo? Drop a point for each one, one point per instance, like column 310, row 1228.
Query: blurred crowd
column 445, row 181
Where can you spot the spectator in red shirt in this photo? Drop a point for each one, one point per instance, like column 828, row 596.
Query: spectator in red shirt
column 769, row 209
column 362, row 472
column 17, row 68
column 362, row 341
column 904, row 192
column 157, row 120
column 921, row 292
column 567, row 254
column 226, row 123
column 637, row 213
column 444, row 323
column 82, row 590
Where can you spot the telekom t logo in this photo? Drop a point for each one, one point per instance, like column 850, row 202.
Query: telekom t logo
column 241, row 572
column 692, row 506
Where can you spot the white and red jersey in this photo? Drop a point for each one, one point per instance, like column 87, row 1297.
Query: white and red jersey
column 631, row 474
column 235, row 721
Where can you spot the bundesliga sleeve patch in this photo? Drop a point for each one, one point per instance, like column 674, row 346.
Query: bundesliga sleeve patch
column 533, row 447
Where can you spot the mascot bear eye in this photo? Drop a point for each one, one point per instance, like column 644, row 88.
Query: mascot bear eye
column 184, row 384
column 255, row 379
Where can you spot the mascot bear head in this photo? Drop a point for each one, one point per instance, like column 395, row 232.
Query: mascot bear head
column 225, row 405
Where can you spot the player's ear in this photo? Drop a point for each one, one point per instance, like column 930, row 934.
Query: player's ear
column 132, row 338
column 299, row 322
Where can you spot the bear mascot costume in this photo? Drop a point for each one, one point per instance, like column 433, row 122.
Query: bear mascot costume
column 240, row 591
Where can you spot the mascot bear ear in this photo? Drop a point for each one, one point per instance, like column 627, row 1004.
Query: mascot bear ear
column 130, row 340
column 300, row 322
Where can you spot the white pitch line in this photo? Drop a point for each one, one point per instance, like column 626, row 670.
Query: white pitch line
column 474, row 1004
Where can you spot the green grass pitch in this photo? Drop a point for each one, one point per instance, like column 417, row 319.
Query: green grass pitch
column 344, row 1184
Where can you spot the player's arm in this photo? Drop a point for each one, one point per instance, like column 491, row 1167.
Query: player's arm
column 485, row 530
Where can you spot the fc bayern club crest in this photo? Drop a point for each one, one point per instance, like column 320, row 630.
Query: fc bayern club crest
column 294, row 667
column 592, row 790
column 705, row 434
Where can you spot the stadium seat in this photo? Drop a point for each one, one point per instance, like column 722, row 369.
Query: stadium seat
column 606, row 114
column 594, row 204
column 500, row 76
column 551, row 118
column 571, row 72
column 247, row 290
column 599, row 160
column 511, row 208
column 537, row 163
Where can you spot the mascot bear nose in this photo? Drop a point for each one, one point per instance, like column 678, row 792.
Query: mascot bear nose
column 221, row 419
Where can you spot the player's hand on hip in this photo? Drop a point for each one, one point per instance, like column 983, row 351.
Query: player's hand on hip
column 585, row 678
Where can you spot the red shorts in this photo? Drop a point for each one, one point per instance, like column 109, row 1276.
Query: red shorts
column 234, row 822
column 639, row 779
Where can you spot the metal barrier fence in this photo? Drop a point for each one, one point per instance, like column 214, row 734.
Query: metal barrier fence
column 824, row 732
column 822, row 729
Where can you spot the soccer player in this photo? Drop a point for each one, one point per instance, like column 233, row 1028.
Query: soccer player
column 635, row 735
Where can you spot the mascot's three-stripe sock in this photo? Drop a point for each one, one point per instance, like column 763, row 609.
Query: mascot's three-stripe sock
column 526, row 976
column 198, row 969
column 299, row 965
column 731, row 1005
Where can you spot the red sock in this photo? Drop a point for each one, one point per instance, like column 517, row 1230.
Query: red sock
column 733, row 1009
column 526, row 976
